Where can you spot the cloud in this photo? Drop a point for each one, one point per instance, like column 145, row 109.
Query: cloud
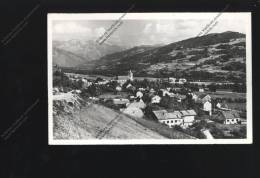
column 69, row 28
column 165, row 28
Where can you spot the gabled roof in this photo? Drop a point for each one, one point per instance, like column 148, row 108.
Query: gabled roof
column 203, row 95
column 120, row 101
column 188, row 113
column 223, row 105
column 174, row 115
column 160, row 114
column 230, row 114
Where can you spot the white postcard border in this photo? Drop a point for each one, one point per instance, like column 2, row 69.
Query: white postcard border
column 145, row 16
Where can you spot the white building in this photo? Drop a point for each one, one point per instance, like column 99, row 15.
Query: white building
column 182, row 80
column 201, row 89
column 223, row 106
column 205, row 102
column 139, row 94
column 207, row 106
column 229, row 117
column 156, row 99
column 172, row 80
column 118, row 88
column 183, row 118
column 169, row 119
column 121, row 101
column 188, row 117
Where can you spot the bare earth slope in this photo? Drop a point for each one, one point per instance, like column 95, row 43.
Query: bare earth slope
column 99, row 122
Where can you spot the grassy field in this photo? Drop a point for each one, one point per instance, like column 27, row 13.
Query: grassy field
column 232, row 95
column 163, row 129
column 229, row 130
column 237, row 106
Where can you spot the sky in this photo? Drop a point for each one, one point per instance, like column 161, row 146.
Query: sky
column 147, row 30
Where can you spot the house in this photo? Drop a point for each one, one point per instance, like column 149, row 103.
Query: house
column 207, row 106
column 180, row 97
column 169, row 119
column 164, row 92
column 139, row 94
column 188, row 117
column 194, row 96
column 172, row 80
column 204, row 101
column 156, row 99
column 55, row 90
column 86, row 83
column 204, row 97
column 141, row 89
column 182, row 81
column 183, row 118
column 118, row 88
column 133, row 111
column 152, row 90
column 222, row 106
column 201, row 89
column 173, row 118
column 129, row 86
column 121, row 101
column 228, row 117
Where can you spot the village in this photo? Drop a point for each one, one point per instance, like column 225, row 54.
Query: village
column 202, row 111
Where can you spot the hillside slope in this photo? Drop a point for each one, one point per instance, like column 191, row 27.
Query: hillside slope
column 95, row 121
column 218, row 54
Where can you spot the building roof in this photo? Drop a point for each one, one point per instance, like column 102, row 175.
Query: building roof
column 164, row 115
column 174, row 115
column 160, row 114
column 203, row 95
column 120, row 101
column 230, row 114
column 188, row 113
column 223, row 105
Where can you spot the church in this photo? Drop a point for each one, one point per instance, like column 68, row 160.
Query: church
column 122, row 79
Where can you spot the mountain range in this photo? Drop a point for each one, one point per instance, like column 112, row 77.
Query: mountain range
column 72, row 53
column 220, row 56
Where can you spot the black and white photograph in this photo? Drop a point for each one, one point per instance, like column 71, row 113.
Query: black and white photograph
column 149, row 78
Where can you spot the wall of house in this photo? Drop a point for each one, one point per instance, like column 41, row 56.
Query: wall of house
column 172, row 122
column 188, row 119
column 231, row 121
column 207, row 107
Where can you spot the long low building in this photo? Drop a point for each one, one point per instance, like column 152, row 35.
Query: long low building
column 182, row 118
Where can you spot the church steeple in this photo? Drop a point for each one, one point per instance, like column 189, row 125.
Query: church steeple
column 130, row 75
